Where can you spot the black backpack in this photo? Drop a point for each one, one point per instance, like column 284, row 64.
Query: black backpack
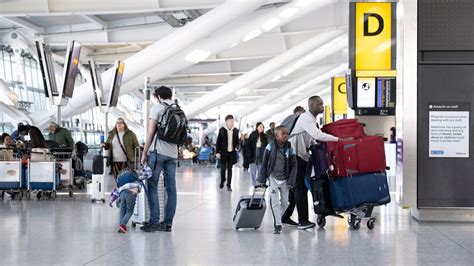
column 290, row 121
column 173, row 125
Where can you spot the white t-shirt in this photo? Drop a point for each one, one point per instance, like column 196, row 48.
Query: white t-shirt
column 259, row 143
column 230, row 139
column 118, row 154
column 162, row 147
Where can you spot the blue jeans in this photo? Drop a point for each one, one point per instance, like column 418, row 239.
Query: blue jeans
column 254, row 168
column 127, row 204
column 168, row 165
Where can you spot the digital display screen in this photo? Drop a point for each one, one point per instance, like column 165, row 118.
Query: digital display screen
column 47, row 69
column 71, row 67
column 116, row 84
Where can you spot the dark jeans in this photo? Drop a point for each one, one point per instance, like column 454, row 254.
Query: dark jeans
column 227, row 161
column 127, row 204
column 301, row 192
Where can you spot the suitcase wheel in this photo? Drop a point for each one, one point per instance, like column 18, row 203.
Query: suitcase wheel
column 134, row 225
column 371, row 223
column 39, row 194
column 256, row 228
column 321, row 221
column 237, row 229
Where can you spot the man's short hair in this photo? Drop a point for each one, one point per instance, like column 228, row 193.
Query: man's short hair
column 298, row 109
column 228, row 117
column 312, row 99
column 164, row 92
column 272, row 123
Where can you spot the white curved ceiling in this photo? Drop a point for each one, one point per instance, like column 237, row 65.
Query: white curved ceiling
column 111, row 31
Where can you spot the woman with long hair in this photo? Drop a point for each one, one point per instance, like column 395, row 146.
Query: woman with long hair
column 122, row 143
column 257, row 143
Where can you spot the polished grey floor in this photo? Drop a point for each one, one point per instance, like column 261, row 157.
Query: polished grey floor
column 74, row 231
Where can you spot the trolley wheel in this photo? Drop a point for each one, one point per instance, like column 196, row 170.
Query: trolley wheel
column 28, row 195
column 71, row 193
column 39, row 195
column 103, row 200
column 3, row 195
column 321, row 221
column 134, row 225
column 355, row 224
column 371, row 223
column 54, row 194
column 48, row 195
column 93, row 200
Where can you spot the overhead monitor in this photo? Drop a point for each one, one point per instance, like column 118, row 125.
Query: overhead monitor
column 97, row 85
column 47, row 70
column 71, row 67
column 114, row 92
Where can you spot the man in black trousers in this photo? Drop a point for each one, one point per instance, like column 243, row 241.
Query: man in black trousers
column 226, row 149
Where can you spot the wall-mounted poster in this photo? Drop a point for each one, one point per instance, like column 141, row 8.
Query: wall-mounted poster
column 449, row 130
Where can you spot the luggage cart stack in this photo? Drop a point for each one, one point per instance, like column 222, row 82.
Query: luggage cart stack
column 11, row 177
column 42, row 177
column 65, row 171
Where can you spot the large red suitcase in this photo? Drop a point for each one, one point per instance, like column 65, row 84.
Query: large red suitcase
column 360, row 156
column 345, row 128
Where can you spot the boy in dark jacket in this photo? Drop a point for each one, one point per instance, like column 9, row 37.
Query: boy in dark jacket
column 279, row 167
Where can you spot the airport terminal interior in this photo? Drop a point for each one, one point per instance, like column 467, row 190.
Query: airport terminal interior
column 240, row 132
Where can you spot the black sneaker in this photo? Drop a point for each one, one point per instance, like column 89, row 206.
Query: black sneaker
column 150, row 228
column 306, row 225
column 277, row 229
column 229, row 189
column 288, row 221
column 164, row 227
column 221, row 186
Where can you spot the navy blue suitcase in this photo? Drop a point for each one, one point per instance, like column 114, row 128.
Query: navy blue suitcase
column 354, row 191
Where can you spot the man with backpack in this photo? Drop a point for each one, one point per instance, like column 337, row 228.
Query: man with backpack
column 305, row 132
column 167, row 129
column 289, row 122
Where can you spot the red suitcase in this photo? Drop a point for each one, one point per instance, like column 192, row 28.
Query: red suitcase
column 345, row 128
column 360, row 156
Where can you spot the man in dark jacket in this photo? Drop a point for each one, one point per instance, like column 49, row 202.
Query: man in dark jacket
column 226, row 149
column 61, row 135
column 279, row 168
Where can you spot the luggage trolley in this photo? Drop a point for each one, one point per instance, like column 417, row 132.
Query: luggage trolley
column 355, row 215
column 63, row 160
column 42, row 176
column 11, row 178
column 327, row 190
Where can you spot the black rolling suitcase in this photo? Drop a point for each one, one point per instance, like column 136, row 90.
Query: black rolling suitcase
column 98, row 165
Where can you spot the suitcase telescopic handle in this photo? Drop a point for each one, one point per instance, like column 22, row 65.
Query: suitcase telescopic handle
column 253, row 195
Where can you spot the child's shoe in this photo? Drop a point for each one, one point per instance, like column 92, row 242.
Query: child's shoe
column 122, row 229
column 277, row 229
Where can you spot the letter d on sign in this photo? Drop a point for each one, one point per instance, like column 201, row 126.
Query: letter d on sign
column 366, row 24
